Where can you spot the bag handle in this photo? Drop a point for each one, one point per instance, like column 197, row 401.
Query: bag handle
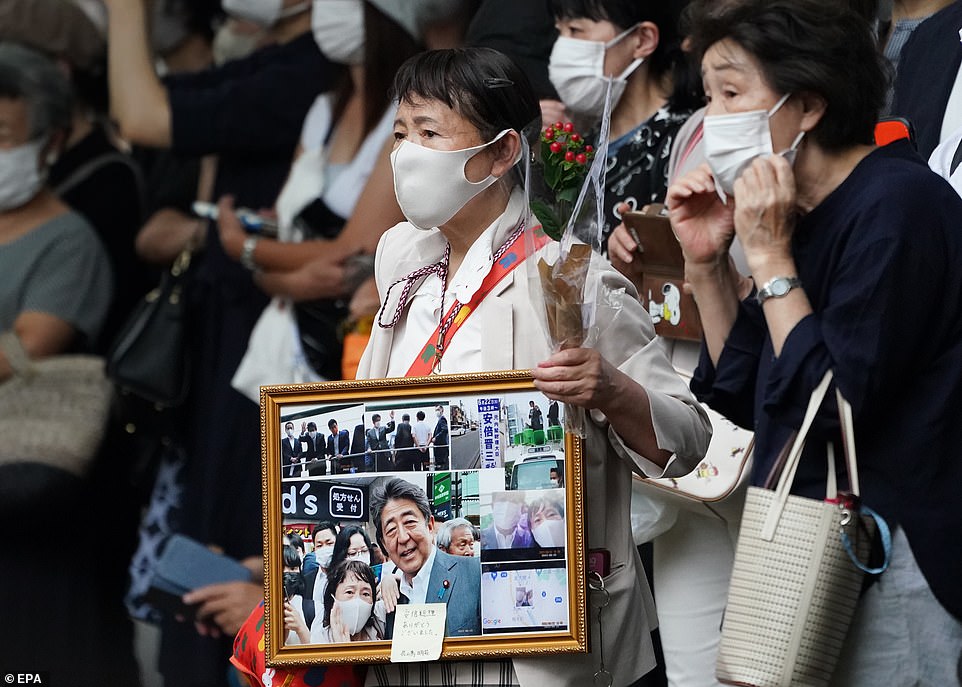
column 784, row 487
column 794, row 455
column 19, row 361
column 787, row 477
column 848, row 440
column 885, row 535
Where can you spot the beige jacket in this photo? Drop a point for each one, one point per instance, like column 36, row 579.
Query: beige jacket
column 514, row 339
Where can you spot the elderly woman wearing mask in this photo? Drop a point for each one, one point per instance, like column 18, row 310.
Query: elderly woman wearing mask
column 457, row 129
column 55, row 291
column 56, row 285
column 854, row 251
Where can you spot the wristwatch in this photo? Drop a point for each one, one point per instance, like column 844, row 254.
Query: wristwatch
column 247, row 253
column 777, row 287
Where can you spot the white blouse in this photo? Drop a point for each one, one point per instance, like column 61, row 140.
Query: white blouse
column 463, row 351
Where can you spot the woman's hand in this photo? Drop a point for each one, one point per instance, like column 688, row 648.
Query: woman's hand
column 232, row 234
column 365, row 302
column 339, row 632
column 765, row 201
column 321, row 277
column 703, row 224
column 582, row 377
column 622, row 248
column 622, row 251
column 225, row 606
column 294, row 622
column 579, row 376
column 390, row 591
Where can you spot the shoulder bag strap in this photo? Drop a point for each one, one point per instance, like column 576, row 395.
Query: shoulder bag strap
column 791, row 464
column 692, row 142
column 82, row 173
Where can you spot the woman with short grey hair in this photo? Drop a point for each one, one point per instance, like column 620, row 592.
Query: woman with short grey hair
column 54, row 293
column 57, row 281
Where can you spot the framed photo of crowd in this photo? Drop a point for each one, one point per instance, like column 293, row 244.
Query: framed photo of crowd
column 461, row 490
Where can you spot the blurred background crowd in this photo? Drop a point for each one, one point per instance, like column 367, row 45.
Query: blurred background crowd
column 118, row 116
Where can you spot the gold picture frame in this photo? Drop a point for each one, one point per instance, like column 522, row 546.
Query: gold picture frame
column 501, row 469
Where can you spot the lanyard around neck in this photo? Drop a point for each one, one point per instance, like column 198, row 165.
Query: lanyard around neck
column 506, row 260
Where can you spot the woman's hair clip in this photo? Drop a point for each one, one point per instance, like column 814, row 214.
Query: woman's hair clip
column 498, row 83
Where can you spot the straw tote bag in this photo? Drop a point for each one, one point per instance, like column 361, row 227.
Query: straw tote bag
column 797, row 573
column 52, row 411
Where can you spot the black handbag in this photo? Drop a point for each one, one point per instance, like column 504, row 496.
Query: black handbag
column 149, row 358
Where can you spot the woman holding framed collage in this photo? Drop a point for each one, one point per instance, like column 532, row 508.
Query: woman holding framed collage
column 458, row 131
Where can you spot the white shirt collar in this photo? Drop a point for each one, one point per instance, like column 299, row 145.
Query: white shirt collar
column 417, row 591
column 475, row 266
column 505, row 541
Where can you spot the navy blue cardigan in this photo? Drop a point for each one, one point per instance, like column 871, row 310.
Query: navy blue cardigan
column 880, row 260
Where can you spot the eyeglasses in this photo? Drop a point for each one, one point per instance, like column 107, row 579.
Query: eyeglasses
column 357, row 552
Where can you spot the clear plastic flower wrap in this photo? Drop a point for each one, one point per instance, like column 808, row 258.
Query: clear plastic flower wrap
column 564, row 188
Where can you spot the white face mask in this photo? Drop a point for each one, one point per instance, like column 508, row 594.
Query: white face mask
column 290, row 432
column 263, row 12
column 430, row 185
column 733, row 141
column 312, row 434
column 339, row 30
column 355, row 613
column 324, row 555
column 549, row 533
column 577, row 70
column 554, row 482
column 230, row 44
column 21, row 176
column 506, row 515
column 363, row 557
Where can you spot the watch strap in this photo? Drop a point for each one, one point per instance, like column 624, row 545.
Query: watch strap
column 247, row 253
column 777, row 287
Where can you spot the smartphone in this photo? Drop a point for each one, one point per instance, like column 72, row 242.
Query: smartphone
column 250, row 220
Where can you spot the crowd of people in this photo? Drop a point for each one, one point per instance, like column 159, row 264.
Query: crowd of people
column 384, row 139
column 347, row 588
column 388, row 447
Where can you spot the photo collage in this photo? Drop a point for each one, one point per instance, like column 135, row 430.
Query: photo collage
column 456, row 500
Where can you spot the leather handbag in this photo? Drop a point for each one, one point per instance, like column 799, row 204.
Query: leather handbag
column 661, row 287
column 720, row 475
column 149, row 358
column 798, row 573
column 53, row 411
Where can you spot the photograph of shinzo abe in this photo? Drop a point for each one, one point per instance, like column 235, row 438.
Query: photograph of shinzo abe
column 455, row 499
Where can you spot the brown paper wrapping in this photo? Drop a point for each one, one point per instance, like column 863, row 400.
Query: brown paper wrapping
column 563, row 284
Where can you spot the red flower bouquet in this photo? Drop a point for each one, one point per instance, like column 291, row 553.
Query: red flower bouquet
column 564, row 161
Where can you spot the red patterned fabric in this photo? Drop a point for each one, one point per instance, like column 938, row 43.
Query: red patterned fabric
column 248, row 658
